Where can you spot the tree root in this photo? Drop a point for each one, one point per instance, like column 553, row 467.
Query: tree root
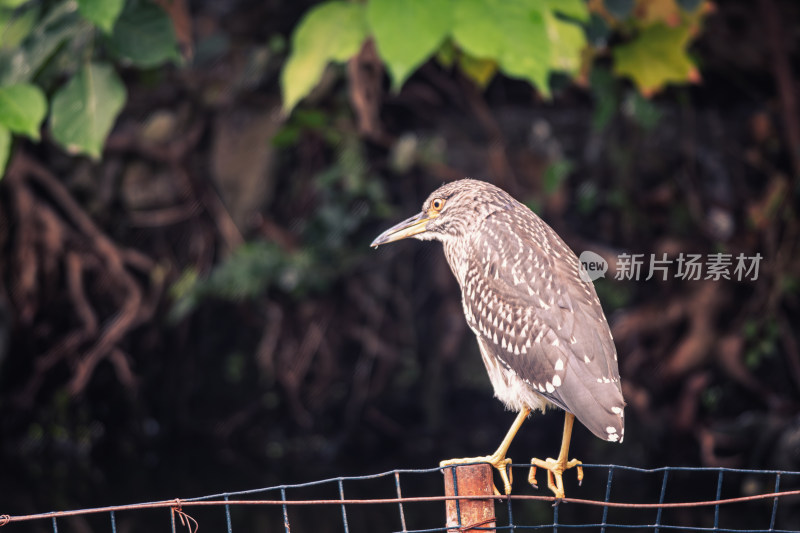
column 54, row 243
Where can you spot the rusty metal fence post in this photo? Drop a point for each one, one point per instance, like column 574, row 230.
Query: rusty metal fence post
column 469, row 515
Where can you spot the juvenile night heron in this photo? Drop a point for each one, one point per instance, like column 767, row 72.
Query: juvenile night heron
column 541, row 330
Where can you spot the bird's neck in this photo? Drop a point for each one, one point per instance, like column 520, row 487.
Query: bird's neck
column 454, row 249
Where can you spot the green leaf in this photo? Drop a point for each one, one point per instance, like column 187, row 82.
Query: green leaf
column 21, row 64
column 567, row 41
column 477, row 28
column 332, row 31
column 5, row 149
column 22, row 109
column 102, row 13
column 574, row 9
column 13, row 4
column 446, row 54
column 656, row 57
column 511, row 31
column 144, row 36
column 84, row 110
column 529, row 56
column 390, row 21
column 15, row 25
column 481, row 71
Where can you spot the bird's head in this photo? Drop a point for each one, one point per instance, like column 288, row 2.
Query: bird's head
column 450, row 212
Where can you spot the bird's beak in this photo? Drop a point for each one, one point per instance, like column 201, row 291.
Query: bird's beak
column 407, row 228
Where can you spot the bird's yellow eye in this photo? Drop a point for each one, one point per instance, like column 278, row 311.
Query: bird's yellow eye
column 437, row 204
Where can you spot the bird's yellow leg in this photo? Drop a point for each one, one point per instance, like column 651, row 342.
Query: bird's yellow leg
column 498, row 458
column 556, row 467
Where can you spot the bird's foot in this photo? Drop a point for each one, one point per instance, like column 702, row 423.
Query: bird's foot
column 500, row 462
column 555, row 469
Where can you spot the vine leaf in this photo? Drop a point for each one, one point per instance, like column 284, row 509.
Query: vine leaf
column 84, row 110
column 22, row 108
column 654, row 11
column 656, row 57
column 390, row 21
column 480, row 71
column 16, row 24
column 22, row 63
column 332, row 31
column 567, row 40
column 511, row 31
column 101, row 13
column 575, row 9
column 144, row 36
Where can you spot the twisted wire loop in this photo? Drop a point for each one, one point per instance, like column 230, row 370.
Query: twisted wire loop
column 4, row 519
column 476, row 525
column 186, row 520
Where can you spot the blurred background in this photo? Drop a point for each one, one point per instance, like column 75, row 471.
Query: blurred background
column 188, row 300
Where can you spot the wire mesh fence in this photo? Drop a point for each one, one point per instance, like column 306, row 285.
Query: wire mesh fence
column 612, row 498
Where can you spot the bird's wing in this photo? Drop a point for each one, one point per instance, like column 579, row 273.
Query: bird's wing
column 524, row 296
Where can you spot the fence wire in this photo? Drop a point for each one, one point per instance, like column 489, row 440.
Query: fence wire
column 613, row 497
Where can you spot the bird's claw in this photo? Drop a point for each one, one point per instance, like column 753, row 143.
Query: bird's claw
column 555, row 470
column 498, row 462
column 506, row 474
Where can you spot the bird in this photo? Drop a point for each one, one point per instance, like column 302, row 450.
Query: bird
column 540, row 327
